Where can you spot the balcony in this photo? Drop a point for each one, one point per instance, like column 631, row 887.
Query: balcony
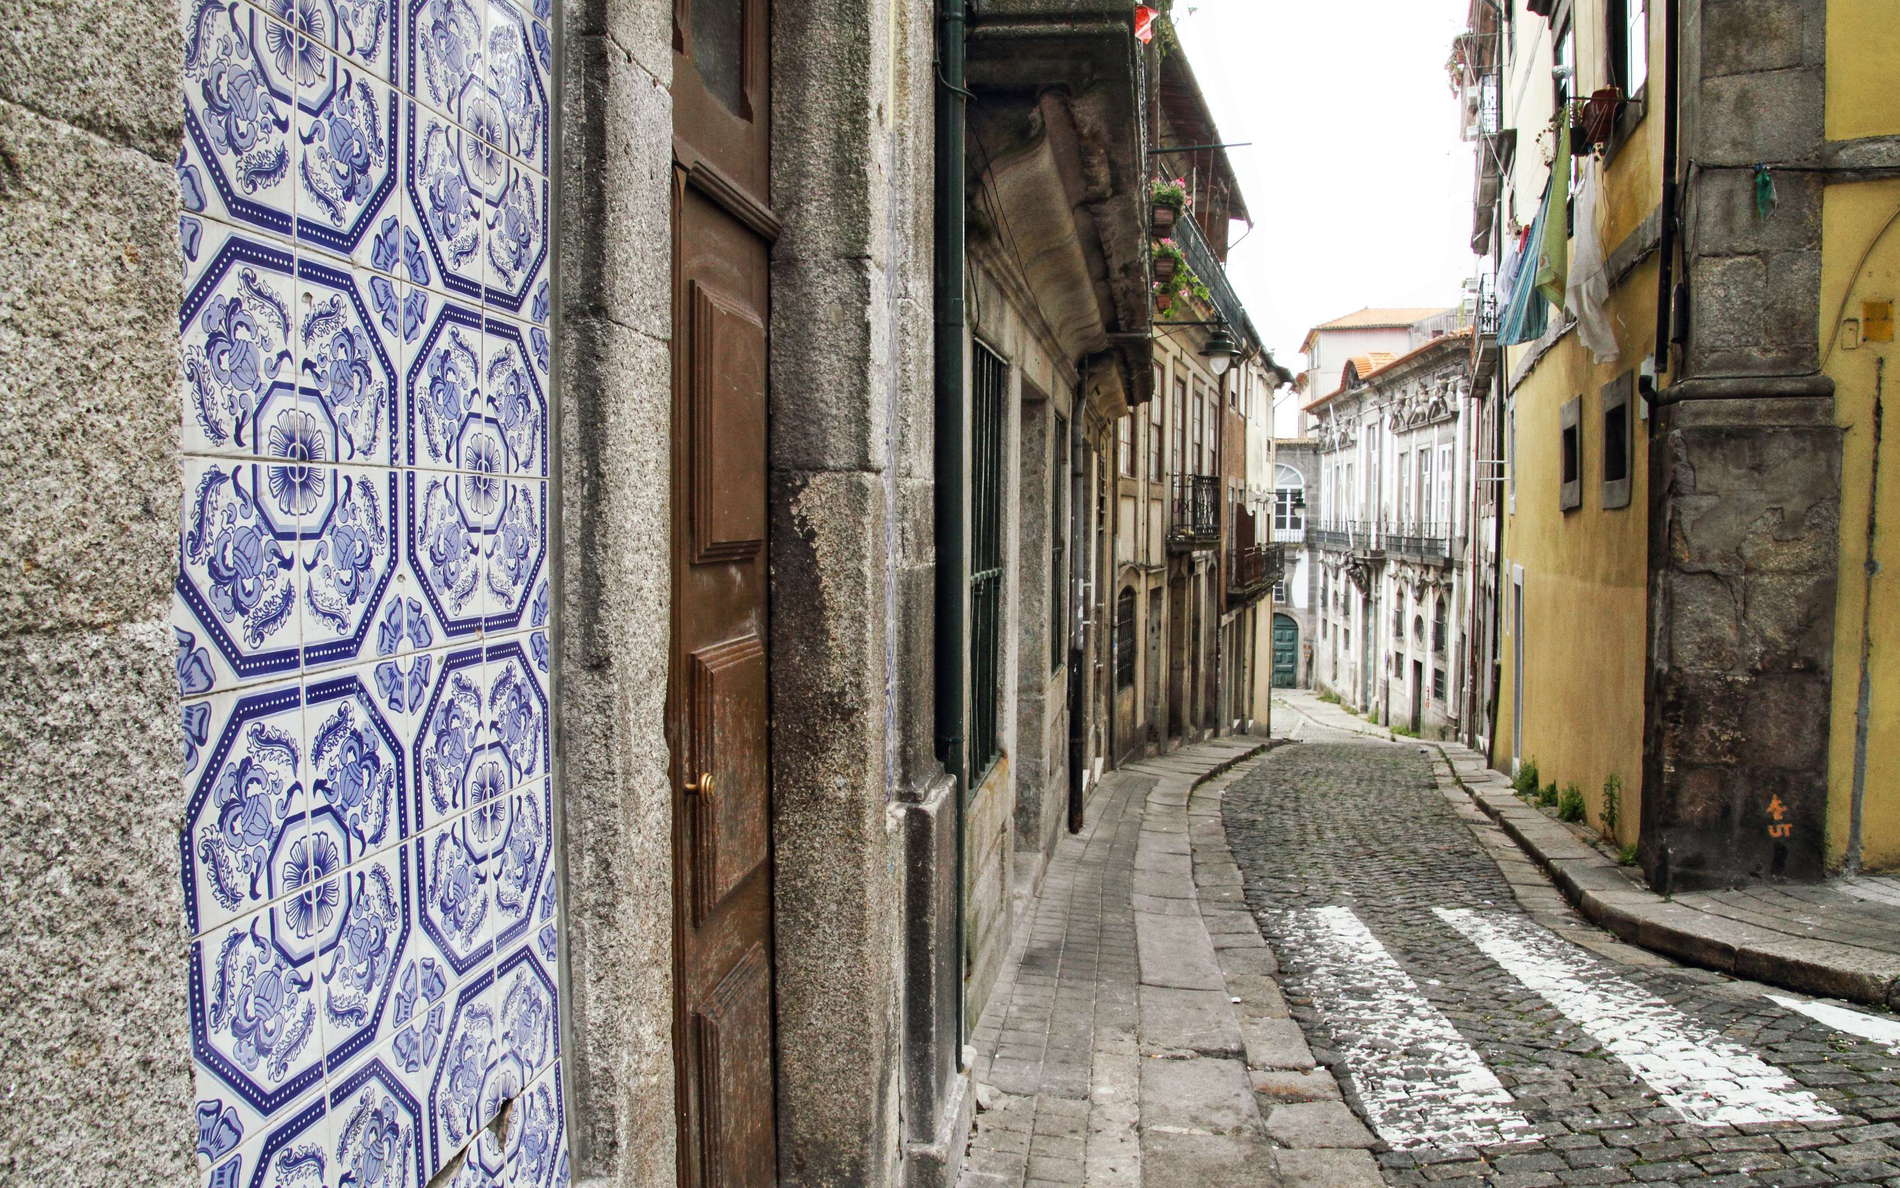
column 1253, row 571
column 1484, row 337
column 1195, row 520
column 1292, row 534
column 1201, row 258
column 1328, row 534
column 1424, row 541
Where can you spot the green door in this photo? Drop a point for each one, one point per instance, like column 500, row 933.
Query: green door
column 1286, row 652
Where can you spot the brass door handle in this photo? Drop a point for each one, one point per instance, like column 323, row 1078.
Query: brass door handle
column 703, row 786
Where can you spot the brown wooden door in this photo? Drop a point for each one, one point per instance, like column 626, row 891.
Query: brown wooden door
column 717, row 716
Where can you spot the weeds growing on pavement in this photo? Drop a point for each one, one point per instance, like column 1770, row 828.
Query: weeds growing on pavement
column 1627, row 855
column 1526, row 780
column 1612, row 814
column 1405, row 732
column 1570, row 805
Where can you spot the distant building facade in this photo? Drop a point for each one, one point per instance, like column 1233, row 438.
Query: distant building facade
column 1391, row 440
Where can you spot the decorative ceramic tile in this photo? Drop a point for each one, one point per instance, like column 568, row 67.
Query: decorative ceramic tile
column 515, row 240
column 455, row 901
column 516, row 555
column 359, row 967
column 361, row 617
column 292, row 1152
column 255, row 1027
column 448, row 424
column 539, row 1158
column 241, row 72
column 245, row 781
column 447, row 176
column 456, row 1092
column 237, row 339
column 363, row 30
column 236, row 593
column 358, row 760
column 347, row 153
column 346, row 364
column 376, row 1125
column 345, row 562
column 514, row 395
column 520, row 865
column 515, row 79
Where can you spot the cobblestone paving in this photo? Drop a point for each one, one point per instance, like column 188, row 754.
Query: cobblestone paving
column 1351, row 823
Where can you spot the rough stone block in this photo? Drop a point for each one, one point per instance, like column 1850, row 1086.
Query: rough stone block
column 89, row 293
column 1285, row 1085
column 1206, row 1160
column 118, row 81
column 616, row 193
column 91, row 965
column 1176, row 952
column 1744, row 36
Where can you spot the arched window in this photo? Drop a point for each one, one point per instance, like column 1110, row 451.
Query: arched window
column 1439, row 618
column 1289, row 504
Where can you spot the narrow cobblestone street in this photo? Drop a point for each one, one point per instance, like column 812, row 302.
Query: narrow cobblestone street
column 1436, row 1014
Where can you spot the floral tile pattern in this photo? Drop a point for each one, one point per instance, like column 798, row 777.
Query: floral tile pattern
column 361, row 612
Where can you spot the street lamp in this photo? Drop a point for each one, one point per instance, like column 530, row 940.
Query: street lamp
column 1219, row 350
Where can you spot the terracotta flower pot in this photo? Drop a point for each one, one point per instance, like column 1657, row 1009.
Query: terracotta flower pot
column 1164, row 268
column 1162, row 220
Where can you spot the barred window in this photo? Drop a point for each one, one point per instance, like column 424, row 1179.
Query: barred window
column 989, row 396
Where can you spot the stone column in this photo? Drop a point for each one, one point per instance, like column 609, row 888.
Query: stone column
column 1744, row 474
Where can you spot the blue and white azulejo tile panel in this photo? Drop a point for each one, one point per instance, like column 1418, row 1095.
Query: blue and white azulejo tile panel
column 365, row 832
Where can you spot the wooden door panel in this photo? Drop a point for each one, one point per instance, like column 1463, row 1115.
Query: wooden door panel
column 718, row 713
column 733, row 1042
column 728, row 826
column 728, row 427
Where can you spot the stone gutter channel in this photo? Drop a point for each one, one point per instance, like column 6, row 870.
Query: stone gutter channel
column 1229, row 1090
column 1610, row 896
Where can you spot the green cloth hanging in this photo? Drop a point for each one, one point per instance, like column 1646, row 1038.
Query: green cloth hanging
column 1765, row 196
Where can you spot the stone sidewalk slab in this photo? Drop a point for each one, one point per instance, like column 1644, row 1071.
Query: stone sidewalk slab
column 1136, row 1034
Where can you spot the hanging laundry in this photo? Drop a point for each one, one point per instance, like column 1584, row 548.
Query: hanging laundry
column 1145, row 23
column 1588, row 286
column 1553, row 243
column 1525, row 315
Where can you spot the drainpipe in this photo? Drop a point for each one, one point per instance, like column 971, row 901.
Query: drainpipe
column 952, row 453
column 1666, row 247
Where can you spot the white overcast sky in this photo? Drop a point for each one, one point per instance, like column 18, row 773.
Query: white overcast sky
column 1358, row 184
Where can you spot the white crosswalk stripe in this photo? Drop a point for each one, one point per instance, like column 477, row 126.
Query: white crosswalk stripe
column 1707, row 1079
column 1418, row 1080
column 1882, row 1031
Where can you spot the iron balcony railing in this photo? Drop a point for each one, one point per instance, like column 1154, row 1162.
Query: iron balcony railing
column 1290, row 534
column 1200, row 257
column 1328, row 534
column 1195, row 523
column 1254, row 568
column 1423, row 539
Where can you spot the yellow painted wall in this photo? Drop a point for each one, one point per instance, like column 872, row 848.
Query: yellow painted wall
column 1585, row 571
column 1585, row 579
column 1863, row 45
column 1853, row 215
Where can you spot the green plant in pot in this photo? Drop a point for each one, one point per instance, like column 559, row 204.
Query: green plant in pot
column 1168, row 260
column 1167, row 200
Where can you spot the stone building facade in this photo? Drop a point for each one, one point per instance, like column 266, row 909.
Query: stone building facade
column 1708, row 466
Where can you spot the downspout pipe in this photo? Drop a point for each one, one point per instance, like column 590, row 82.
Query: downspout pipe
column 1666, row 246
column 952, row 459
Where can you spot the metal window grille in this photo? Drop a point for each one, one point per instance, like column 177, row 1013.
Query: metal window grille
column 991, row 379
column 1125, row 638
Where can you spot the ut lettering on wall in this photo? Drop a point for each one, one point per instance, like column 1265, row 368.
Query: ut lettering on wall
column 366, row 840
